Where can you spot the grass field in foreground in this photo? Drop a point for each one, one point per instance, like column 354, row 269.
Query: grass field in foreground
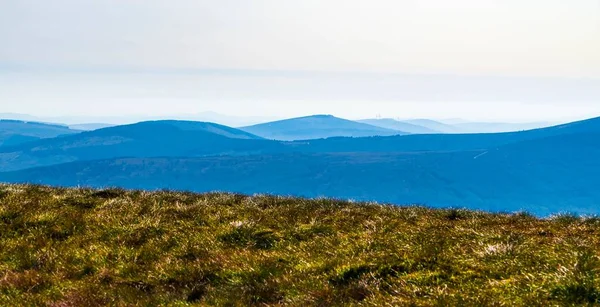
column 83, row 247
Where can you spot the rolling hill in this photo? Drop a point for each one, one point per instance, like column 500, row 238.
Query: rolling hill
column 145, row 139
column 390, row 123
column 317, row 127
column 14, row 132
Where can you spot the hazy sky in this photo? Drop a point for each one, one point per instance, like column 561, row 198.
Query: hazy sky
column 478, row 59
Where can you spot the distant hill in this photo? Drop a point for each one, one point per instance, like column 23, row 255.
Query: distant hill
column 157, row 128
column 14, row 132
column 145, row 139
column 317, row 127
column 390, row 123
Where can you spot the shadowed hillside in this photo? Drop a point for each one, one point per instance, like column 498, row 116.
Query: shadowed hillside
column 317, row 127
column 83, row 247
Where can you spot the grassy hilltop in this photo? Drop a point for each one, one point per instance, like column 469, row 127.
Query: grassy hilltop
column 83, row 247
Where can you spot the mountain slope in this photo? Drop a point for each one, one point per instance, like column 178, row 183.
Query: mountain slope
column 390, row 123
column 317, row 127
column 145, row 139
column 14, row 132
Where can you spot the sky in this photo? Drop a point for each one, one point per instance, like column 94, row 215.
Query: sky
column 503, row 60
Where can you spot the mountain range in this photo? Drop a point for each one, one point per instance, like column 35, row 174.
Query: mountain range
column 327, row 126
column 543, row 171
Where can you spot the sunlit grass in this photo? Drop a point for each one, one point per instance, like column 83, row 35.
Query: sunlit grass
column 83, row 247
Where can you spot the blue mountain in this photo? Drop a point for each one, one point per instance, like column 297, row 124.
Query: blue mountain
column 317, row 127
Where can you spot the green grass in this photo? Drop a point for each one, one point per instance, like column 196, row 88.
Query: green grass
column 83, row 247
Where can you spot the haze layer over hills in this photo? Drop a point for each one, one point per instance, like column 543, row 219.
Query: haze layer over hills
column 393, row 124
